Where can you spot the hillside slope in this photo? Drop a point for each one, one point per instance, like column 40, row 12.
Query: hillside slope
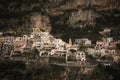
column 64, row 18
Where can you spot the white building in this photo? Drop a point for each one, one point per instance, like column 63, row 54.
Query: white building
column 36, row 32
column 91, row 51
column 58, row 52
column 80, row 55
column 88, row 43
column 47, row 41
column 107, row 30
column 83, row 41
column 110, row 39
column 25, row 37
column 37, row 45
column 59, row 44
column 59, row 47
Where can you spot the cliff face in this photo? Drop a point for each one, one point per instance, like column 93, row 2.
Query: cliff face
column 62, row 5
column 84, row 11
column 41, row 22
column 16, row 15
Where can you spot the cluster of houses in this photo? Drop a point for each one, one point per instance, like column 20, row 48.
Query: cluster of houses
column 42, row 41
column 47, row 45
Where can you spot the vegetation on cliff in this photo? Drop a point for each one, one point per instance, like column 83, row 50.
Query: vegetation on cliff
column 17, row 70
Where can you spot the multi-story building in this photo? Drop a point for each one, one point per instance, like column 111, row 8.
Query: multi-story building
column 80, row 55
column 59, row 44
column 19, row 44
column 83, row 41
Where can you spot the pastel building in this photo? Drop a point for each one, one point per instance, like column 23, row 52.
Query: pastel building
column 2, row 39
column 99, row 45
column 112, row 45
column 19, row 44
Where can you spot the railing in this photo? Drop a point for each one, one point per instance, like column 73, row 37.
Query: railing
column 74, row 65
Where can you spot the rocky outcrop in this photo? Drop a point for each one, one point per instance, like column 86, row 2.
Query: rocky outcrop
column 41, row 22
column 87, row 10
column 81, row 12
column 78, row 4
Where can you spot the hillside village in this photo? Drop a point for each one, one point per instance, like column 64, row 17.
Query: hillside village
column 81, row 50
column 59, row 39
column 51, row 35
